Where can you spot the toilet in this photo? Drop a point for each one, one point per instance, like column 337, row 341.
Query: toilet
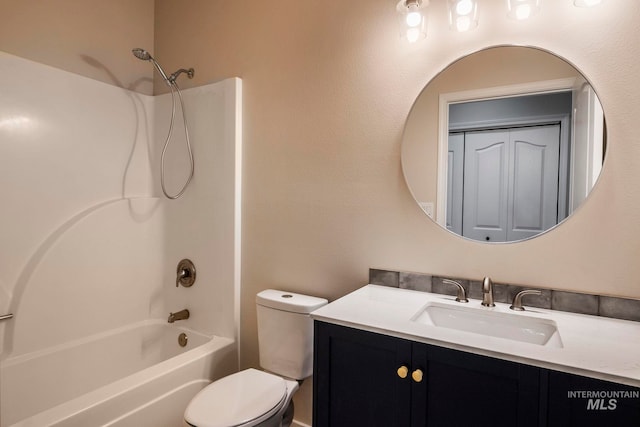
column 263, row 398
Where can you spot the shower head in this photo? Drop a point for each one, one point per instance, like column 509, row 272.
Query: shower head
column 141, row 54
column 145, row 56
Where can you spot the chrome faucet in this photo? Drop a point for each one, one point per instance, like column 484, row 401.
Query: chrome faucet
column 462, row 295
column 487, row 292
column 179, row 315
column 517, row 300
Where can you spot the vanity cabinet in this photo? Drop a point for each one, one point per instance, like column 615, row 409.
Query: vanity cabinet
column 575, row 400
column 367, row 379
column 356, row 381
column 363, row 378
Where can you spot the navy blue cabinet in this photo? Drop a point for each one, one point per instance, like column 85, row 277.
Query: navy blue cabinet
column 373, row 380
column 356, row 381
column 464, row 389
column 577, row 401
column 367, row 379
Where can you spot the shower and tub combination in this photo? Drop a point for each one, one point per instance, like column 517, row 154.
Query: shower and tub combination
column 102, row 334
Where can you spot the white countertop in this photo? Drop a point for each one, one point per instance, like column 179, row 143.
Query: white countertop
column 597, row 347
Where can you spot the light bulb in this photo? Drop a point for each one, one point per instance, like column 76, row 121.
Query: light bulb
column 413, row 34
column 523, row 11
column 414, row 19
column 463, row 23
column 464, row 7
column 463, row 14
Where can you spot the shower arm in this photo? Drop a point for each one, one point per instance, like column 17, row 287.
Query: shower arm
column 190, row 72
column 169, row 80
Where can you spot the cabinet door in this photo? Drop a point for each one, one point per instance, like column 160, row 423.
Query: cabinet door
column 585, row 402
column 356, row 381
column 464, row 389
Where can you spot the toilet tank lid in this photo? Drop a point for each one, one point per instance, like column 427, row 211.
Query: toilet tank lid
column 289, row 301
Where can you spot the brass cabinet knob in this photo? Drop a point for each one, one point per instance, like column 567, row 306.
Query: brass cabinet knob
column 417, row 375
column 403, row 371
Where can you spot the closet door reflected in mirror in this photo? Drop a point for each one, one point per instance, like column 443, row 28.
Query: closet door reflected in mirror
column 504, row 144
column 510, row 182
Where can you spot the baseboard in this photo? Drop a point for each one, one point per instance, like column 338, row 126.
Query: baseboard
column 299, row 424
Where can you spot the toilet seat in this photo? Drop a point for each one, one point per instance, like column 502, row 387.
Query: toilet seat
column 243, row 399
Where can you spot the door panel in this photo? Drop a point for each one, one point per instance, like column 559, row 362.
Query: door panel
column 486, row 160
column 534, row 181
column 455, row 174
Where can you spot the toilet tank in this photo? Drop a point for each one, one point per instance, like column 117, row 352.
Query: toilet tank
column 285, row 332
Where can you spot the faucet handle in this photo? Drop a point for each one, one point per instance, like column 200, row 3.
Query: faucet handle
column 517, row 300
column 462, row 294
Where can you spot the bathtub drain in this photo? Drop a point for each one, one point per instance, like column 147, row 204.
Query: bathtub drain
column 182, row 339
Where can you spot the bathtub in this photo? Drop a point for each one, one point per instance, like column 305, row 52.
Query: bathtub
column 137, row 375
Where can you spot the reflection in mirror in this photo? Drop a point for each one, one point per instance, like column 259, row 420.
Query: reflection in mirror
column 504, row 144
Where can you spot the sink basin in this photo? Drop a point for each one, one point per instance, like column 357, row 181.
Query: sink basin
column 490, row 322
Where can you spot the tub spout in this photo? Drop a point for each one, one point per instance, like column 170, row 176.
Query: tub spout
column 179, row 315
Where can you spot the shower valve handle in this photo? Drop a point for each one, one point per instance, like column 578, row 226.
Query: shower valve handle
column 186, row 273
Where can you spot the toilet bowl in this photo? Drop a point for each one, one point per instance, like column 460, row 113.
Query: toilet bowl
column 248, row 398
column 255, row 398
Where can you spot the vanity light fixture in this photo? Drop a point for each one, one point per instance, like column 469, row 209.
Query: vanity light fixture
column 413, row 19
column 463, row 14
column 587, row 3
column 523, row 9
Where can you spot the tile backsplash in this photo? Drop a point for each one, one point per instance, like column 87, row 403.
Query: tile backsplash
column 597, row 305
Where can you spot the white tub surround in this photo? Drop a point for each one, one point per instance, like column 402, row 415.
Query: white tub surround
column 204, row 224
column 592, row 346
column 90, row 247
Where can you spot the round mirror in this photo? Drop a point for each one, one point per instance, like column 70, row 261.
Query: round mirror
column 504, row 144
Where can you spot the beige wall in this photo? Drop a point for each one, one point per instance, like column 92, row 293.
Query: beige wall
column 327, row 88
column 93, row 38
